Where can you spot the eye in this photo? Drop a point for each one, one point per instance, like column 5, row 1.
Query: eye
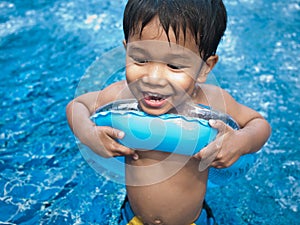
column 176, row 67
column 139, row 60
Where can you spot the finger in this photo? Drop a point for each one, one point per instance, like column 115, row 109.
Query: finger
column 135, row 156
column 221, row 162
column 219, row 125
column 207, row 155
column 114, row 133
column 217, row 165
column 119, row 149
column 110, row 143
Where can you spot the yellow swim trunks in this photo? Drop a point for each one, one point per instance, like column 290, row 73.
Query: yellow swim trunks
column 128, row 218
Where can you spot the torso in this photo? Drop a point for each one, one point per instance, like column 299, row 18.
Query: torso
column 164, row 187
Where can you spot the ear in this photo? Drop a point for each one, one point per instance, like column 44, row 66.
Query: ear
column 124, row 43
column 207, row 67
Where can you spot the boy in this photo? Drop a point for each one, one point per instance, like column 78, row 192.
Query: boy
column 170, row 46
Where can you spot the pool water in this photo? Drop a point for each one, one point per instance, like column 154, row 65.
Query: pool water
column 46, row 47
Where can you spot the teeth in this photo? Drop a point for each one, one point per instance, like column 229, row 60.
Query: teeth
column 154, row 96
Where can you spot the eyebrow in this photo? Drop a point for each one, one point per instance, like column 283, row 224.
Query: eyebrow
column 138, row 49
column 171, row 56
column 177, row 56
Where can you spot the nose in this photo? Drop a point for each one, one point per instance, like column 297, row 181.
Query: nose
column 155, row 75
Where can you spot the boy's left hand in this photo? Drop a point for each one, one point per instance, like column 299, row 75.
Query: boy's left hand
column 224, row 150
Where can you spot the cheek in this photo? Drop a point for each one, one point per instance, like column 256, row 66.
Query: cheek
column 130, row 70
column 183, row 82
column 132, row 73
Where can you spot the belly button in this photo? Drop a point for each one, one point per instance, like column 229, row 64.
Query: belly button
column 157, row 221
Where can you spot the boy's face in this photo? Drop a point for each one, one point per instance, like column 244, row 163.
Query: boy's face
column 162, row 73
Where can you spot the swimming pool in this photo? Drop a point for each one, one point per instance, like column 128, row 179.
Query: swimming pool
column 45, row 48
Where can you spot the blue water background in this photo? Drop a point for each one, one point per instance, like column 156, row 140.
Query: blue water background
column 46, row 47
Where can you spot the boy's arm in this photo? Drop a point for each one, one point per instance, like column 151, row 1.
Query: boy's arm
column 100, row 139
column 230, row 144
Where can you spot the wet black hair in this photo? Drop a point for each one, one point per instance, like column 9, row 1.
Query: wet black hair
column 205, row 19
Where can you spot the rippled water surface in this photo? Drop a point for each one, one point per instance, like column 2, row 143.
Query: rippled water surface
column 46, row 47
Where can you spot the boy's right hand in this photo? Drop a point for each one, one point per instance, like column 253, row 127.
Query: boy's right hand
column 102, row 140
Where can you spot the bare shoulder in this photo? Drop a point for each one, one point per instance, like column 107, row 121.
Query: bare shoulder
column 96, row 99
column 215, row 97
column 220, row 100
column 116, row 86
column 115, row 91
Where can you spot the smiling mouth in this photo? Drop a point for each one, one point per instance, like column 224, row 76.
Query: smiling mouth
column 154, row 99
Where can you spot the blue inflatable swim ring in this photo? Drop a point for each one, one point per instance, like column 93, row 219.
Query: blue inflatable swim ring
column 184, row 133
